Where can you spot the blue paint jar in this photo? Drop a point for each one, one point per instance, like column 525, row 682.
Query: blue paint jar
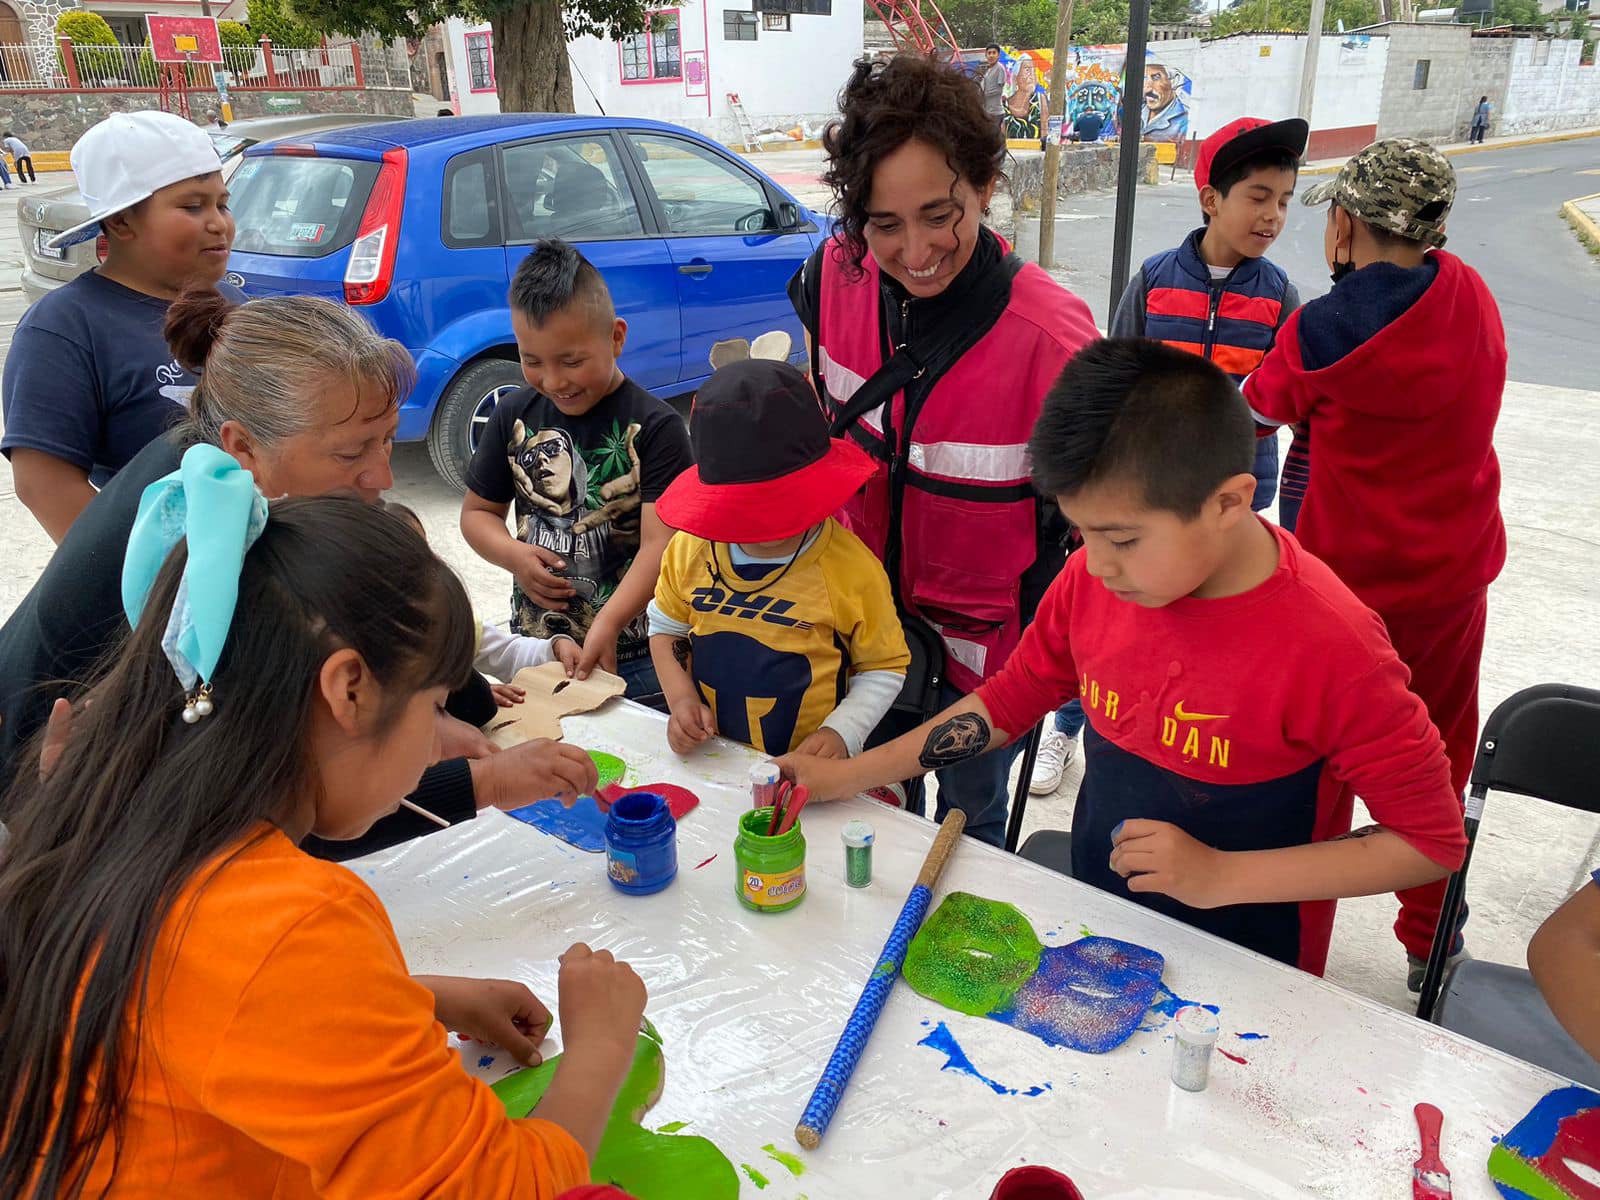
column 641, row 844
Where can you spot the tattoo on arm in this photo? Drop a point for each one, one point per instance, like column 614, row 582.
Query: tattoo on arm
column 1364, row 831
column 682, row 652
column 963, row 736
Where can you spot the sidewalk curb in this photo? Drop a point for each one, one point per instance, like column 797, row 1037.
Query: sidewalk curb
column 1537, row 139
column 1582, row 223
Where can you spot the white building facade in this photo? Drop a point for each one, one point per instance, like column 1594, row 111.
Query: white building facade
column 784, row 59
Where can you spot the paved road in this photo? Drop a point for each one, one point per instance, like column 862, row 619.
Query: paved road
column 1506, row 222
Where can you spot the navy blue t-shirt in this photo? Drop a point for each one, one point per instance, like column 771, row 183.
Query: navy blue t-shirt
column 90, row 379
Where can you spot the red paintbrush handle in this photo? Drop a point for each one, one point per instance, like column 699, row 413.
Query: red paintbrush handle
column 1430, row 1121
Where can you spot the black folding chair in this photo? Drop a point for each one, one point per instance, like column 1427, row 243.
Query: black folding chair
column 920, row 696
column 1542, row 742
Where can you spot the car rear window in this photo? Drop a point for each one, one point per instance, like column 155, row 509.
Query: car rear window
column 299, row 207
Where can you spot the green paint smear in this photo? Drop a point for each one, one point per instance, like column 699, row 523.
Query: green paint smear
column 1511, row 1169
column 649, row 1166
column 673, row 1126
column 1085, row 931
column 756, row 1177
column 972, row 954
column 610, row 767
column 792, row 1162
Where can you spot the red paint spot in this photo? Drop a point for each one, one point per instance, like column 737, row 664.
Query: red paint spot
column 1243, row 1062
column 708, row 862
column 1362, row 1090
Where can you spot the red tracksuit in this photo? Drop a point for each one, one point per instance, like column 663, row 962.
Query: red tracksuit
column 1404, row 499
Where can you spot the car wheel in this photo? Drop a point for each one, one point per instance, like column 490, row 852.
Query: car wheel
column 464, row 412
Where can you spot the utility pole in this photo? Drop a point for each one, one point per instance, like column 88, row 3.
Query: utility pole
column 1132, row 136
column 1308, row 73
column 1052, row 146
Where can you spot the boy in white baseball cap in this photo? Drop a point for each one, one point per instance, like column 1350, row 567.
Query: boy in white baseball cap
column 89, row 380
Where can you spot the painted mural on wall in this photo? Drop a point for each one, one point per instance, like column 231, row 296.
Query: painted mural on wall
column 1094, row 85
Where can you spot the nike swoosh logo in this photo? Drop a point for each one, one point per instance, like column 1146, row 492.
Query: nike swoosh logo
column 1178, row 712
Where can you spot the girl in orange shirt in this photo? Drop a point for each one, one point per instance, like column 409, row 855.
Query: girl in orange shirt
column 194, row 1007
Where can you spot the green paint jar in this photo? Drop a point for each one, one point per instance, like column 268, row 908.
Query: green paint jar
column 771, row 870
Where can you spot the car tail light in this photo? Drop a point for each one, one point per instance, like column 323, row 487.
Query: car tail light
column 102, row 248
column 296, row 149
column 371, row 268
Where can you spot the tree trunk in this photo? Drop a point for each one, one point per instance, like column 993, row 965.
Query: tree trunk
column 532, row 71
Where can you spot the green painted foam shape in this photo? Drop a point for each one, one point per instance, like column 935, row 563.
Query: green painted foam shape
column 973, row 954
column 649, row 1166
column 1511, row 1169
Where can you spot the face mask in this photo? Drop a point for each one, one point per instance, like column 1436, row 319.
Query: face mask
column 1341, row 270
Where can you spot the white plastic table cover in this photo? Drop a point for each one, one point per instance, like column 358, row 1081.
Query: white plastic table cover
column 749, row 1007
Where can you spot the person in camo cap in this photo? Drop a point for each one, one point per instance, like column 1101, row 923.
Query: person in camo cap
column 1399, row 370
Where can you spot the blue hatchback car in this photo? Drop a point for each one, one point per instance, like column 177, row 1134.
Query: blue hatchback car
column 420, row 225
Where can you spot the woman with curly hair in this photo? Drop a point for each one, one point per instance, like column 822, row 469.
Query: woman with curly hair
column 932, row 346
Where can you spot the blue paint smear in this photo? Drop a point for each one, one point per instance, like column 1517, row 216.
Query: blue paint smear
column 486, row 1060
column 1251, row 1037
column 942, row 1040
column 583, row 825
column 1535, row 1133
column 1089, row 996
column 1165, row 1006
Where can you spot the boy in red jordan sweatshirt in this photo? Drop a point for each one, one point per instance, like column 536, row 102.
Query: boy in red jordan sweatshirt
column 1399, row 370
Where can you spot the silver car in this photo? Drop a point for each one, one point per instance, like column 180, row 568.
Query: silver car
column 40, row 218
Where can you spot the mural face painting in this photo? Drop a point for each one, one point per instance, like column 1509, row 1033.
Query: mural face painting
column 1094, row 84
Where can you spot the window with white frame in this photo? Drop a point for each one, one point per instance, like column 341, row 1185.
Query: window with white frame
column 653, row 55
column 480, row 62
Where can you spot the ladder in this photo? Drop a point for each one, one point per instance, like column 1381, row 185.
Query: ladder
column 747, row 131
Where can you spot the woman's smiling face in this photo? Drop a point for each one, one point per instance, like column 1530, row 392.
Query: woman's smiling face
column 922, row 219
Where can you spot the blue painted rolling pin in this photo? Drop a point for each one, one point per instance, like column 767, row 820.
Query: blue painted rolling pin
column 836, row 1075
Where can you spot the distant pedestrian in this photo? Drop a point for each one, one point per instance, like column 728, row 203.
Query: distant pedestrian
column 5, row 175
column 1480, row 121
column 22, row 155
column 993, row 82
column 1088, row 126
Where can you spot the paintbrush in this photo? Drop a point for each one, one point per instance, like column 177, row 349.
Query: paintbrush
column 1429, row 1179
column 422, row 812
column 836, row 1075
column 797, row 801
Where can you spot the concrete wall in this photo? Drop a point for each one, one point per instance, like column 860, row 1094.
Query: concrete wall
column 55, row 120
column 1548, row 89
column 1248, row 75
column 783, row 78
column 1488, row 74
column 467, row 102
column 1441, row 111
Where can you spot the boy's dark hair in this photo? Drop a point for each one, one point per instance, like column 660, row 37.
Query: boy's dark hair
column 555, row 277
column 1272, row 158
column 887, row 104
column 995, row 46
column 1163, row 419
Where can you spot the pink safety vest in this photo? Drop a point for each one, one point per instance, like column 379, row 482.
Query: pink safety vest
column 969, row 528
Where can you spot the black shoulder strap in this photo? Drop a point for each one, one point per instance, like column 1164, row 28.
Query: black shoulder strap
column 944, row 343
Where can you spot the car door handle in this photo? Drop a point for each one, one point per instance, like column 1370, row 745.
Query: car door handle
column 695, row 269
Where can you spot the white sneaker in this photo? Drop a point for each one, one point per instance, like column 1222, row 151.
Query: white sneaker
column 1056, row 752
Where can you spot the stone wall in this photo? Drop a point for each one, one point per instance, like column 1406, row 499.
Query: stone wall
column 55, row 120
column 1083, row 169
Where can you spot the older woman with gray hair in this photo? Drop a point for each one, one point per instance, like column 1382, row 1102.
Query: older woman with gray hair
column 306, row 396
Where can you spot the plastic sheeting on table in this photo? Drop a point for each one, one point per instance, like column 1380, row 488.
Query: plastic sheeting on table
column 750, row 1005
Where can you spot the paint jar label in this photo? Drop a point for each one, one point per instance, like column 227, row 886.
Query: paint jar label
column 774, row 888
column 622, row 866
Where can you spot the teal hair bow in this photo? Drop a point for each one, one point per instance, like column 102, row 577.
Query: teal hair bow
column 213, row 502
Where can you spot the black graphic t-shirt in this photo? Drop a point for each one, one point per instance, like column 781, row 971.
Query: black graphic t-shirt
column 578, row 484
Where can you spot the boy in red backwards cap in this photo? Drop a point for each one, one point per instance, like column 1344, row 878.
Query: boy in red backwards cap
column 772, row 624
column 1399, row 370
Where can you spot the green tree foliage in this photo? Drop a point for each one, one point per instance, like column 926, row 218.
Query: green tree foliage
column 1031, row 24
column 235, row 33
column 283, row 25
column 1295, row 16
column 86, row 31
